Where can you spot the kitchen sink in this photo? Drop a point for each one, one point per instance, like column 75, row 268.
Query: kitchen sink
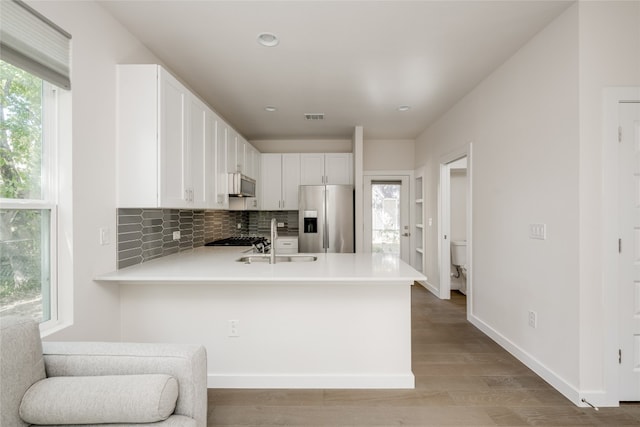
column 279, row 258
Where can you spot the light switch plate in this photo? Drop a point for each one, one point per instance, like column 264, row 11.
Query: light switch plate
column 105, row 236
column 538, row 231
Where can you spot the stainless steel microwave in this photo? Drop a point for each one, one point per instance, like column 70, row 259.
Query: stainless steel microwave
column 241, row 185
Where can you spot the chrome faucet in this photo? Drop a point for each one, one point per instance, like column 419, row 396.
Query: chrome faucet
column 274, row 236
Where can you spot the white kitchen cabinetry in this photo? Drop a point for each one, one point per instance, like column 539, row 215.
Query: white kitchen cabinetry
column 249, row 203
column 173, row 151
column 326, row 168
column 157, row 140
column 201, row 137
column 232, row 144
column 280, row 181
column 287, row 245
column 241, row 152
column 221, row 197
column 252, row 162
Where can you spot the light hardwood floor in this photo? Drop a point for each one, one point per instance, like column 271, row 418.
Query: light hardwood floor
column 462, row 379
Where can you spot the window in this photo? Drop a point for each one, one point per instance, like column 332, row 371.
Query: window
column 28, row 115
column 385, row 205
column 34, row 59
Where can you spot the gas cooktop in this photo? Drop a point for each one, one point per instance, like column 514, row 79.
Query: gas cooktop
column 238, row 241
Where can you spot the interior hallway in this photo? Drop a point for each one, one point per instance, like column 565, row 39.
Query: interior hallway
column 462, row 379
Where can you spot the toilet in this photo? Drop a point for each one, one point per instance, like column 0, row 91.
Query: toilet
column 459, row 260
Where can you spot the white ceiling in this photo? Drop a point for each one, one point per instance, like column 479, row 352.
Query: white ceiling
column 355, row 61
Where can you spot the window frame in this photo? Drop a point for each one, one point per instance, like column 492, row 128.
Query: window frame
column 49, row 196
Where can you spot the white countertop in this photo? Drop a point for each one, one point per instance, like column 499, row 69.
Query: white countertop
column 219, row 265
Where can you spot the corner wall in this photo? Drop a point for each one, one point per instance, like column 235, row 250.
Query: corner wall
column 388, row 154
column 523, row 123
column 609, row 56
column 98, row 44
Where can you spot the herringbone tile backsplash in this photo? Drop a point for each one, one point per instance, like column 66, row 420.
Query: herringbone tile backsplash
column 146, row 234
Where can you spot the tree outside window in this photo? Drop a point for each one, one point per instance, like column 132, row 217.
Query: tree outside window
column 385, row 201
column 26, row 211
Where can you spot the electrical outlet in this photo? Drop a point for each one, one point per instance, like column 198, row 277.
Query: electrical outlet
column 533, row 319
column 176, row 235
column 233, row 328
column 239, row 225
column 538, row 231
column 281, row 224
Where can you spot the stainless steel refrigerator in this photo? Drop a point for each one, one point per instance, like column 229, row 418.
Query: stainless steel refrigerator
column 325, row 218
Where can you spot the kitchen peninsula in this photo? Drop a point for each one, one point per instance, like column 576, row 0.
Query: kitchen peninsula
column 285, row 325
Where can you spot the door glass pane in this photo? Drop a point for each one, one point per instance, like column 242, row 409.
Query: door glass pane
column 385, row 215
column 25, row 263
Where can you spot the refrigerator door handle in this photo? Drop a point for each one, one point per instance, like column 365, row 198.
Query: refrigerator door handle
column 325, row 237
column 325, row 243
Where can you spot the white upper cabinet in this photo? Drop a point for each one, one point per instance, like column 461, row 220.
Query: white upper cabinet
column 326, row 168
column 338, row 168
column 280, row 179
column 175, row 181
column 154, row 151
column 173, row 151
column 251, row 162
column 311, row 169
column 200, row 134
column 221, row 196
column 232, row 144
column 241, row 150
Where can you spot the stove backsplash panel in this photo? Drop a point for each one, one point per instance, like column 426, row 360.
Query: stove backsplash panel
column 146, row 234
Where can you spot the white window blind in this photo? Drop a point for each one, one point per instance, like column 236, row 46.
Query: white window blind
column 30, row 41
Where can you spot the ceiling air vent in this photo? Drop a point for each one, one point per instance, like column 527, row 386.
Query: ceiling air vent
column 314, row 116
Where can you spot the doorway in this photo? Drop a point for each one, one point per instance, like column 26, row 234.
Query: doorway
column 621, row 242
column 387, row 221
column 629, row 249
column 454, row 225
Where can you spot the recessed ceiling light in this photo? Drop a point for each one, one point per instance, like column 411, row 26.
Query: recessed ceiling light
column 270, row 108
column 268, row 39
column 404, row 108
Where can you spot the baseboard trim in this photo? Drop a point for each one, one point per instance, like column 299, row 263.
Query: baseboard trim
column 557, row 382
column 406, row 381
column 428, row 286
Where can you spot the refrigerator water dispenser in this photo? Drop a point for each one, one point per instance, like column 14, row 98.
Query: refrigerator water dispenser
column 310, row 221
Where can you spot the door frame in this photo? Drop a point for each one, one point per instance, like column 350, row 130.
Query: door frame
column 613, row 96
column 393, row 175
column 444, row 224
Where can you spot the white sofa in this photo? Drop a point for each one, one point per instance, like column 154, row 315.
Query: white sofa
column 123, row 384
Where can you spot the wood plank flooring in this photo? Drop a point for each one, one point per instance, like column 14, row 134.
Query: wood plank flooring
column 462, row 379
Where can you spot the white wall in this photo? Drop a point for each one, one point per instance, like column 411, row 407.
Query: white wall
column 390, row 155
column 98, row 43
column 609, row 56
column 523, row 123
column 303, row 145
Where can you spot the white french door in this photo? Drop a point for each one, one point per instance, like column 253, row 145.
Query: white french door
column 386, row 220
